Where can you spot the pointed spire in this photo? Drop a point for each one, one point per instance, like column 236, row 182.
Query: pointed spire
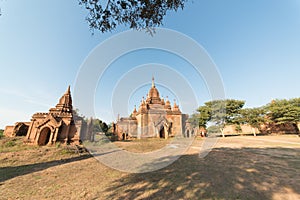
column 167, row 103
column 175, row 107
column 68, row 90
column 162, row 101
column 134, row 112
column 153, row 81
column 64, row 103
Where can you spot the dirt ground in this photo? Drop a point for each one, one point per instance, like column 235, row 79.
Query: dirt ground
column 243, row 167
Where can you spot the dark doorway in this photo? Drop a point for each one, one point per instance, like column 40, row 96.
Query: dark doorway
column 188, row 133
column 162, row 132
column 21, row 129
column 44, row 136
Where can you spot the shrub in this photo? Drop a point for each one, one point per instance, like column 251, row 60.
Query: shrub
column 1, row 133
column 57, row 144
column 10, row 143
column 238, row 128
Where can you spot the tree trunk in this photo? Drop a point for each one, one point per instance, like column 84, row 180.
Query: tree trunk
column 222, row 131
column 253, row 131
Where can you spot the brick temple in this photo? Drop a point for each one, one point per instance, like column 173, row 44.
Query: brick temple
column 155, row 117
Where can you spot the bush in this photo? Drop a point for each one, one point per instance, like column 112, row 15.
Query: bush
column 57, row 145
column 238, row 128
column 10, row 143
column 1, row 133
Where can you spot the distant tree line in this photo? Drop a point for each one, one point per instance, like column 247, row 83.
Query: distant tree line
column 98, row 125
column 230, row 111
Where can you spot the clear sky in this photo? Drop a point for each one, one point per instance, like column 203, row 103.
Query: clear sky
column 43, row 44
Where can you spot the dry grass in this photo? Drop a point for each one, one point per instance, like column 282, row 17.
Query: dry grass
column 237, row 168
column 143, row 145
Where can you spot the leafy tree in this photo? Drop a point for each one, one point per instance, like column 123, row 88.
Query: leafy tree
column 221, row 112
column 233, row 108
column 252, row 116
column 99, row 126
column 194, row 120
column 104, row 127
column 283, row 111
column 204, row 115
column 138, row 14
column 213, row 111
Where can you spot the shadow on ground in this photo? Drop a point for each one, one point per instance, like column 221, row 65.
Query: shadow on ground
column 7, row 173
column 226, row 173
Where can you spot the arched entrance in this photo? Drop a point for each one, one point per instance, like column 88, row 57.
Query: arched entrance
column 44, row 136
column 162, row 132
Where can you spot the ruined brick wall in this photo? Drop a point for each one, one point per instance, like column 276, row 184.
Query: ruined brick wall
column 19, row 129
column 8, row 131
column 244, row 129
column 176, row 128
column 230, row 129
column 269, row 128
column 287, row 128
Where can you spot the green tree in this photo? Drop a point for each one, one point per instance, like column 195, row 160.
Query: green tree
column 137, row 14
column 194, row 120
column 204, row 116
column 99, row 126
column 220, row 112
column 284, row 111
column 233, row 108
column 252, row 116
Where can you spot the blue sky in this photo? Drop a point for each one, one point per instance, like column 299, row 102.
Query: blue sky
column 254, row 44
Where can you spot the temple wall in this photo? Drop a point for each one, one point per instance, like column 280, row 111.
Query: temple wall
column 176, row 124
column 47, row 128
column 129, row 127
column 8, row 131
column 63, row 132
column 245, row 129
column 287, row 128
column 132, row 129
column 32, row 131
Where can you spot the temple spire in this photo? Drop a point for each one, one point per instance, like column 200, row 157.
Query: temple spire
column 153, row 81
column 64, row 103
column 68, row 90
